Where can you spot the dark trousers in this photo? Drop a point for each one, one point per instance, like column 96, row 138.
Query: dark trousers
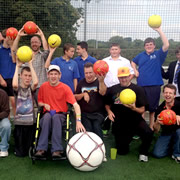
column 93, row 122
column 107, row 124
column 23, row 137
column 51, row 124
column 123, row 136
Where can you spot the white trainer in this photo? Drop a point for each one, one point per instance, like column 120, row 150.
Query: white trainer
column 143, row 158
column 177, row 159
column 105, row 159
column 3, row 153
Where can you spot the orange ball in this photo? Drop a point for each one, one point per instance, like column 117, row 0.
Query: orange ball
column 11, row 32
column 168, row 117
column 30, row 27
column 100, row 67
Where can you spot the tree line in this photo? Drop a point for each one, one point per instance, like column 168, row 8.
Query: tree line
column 60, row 17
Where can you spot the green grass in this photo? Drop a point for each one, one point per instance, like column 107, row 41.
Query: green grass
column 123, row 168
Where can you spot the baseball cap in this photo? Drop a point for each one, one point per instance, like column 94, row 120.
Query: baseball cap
column 53, row 67
column 123, row 71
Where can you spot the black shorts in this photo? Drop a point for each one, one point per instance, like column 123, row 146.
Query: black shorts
column 9, row 88
column 153, row 96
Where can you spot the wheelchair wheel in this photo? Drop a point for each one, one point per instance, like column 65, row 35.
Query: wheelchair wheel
column 31, row 152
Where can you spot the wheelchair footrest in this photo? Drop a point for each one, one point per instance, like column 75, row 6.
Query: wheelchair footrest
column 59, row 158
column 43, row 158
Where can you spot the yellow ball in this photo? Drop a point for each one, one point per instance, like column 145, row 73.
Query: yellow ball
column 154, row 21
column 24, row 54
column 54, row 40
column 127, row 96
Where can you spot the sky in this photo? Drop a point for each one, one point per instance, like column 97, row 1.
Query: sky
column 128, row 18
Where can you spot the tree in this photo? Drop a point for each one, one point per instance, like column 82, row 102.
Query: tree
column 119, row 39
column 53, row 16
column 88, row 1
column 137, row 43
column 158, row 42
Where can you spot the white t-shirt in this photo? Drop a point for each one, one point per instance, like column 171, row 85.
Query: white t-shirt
column 111, row 78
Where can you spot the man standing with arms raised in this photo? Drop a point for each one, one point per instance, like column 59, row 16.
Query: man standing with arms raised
column 40, row 56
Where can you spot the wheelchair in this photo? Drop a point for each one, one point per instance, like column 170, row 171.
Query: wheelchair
column 67, row 132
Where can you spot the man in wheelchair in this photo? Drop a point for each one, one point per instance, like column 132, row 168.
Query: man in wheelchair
column 53, row 96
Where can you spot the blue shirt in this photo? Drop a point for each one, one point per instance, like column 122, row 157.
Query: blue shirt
column 150, row 67
column 81, row 64
column 69, row 70
column 7, row 67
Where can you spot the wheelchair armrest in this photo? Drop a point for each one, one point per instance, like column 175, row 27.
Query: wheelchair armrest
column 40, row 109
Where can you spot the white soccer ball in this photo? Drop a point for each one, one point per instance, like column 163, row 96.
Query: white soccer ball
column 85, row 151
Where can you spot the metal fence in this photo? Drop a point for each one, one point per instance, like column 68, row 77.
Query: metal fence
column 97, row 21
column 104, row 19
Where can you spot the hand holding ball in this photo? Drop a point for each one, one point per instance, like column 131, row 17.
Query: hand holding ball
column 127, row 96
column 154, row 21
column 24, row 54
column 54, row 40
column 11, row 33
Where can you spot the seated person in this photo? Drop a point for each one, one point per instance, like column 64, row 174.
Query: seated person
column 54, row 95
column 24, row 118
column 127, row 118
column 5, row 125
column 169, row 140
column 89, row 94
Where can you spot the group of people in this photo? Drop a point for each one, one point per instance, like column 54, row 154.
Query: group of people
column 63, row 80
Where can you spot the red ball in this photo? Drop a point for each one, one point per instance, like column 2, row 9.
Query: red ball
column 30, row 27
column 11, row 32
column 100, row 67
column 168, row 117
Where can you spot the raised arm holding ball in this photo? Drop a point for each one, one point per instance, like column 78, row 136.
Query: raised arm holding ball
column 24, row 118
column 40, row 57
column 7, row 66
column 149, row 64
column 89, row 94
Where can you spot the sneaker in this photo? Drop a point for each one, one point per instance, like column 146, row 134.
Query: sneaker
column 105, row 159
column 3, row 153
column 177, row 159
column 136, row 137
column 143, row 158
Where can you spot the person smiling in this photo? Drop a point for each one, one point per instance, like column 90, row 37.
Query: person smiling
column 169, row 139
column 69, row 68
column 54, row 95
column 127, row 119
column 148, row 75
column 89, row 94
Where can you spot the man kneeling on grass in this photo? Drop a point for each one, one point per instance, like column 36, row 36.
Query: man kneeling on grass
column 127, row 118
column 169, row 140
